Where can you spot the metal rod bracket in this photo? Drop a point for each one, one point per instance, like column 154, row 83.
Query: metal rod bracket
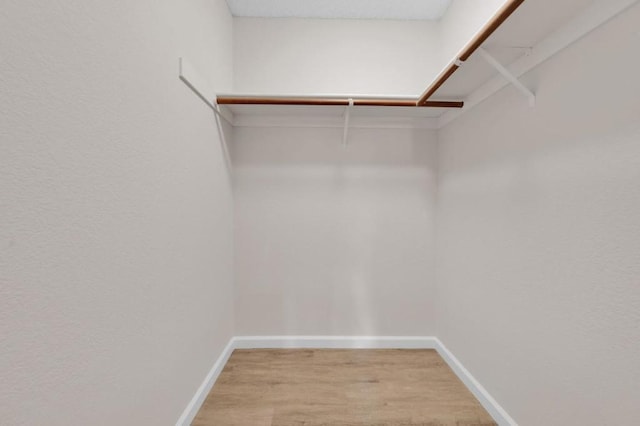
column 347, row 114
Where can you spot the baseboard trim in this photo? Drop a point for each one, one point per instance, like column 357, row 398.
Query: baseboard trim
column 496, row 411
column 196, row 402
column 346, row 342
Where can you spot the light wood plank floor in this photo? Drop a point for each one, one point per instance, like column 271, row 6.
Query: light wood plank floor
column 296, row 387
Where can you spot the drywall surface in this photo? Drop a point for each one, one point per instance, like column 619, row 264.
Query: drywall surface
column 334, row 241
column 291, row 55
column 463, row 20
column 115, row 210
column 539, row 237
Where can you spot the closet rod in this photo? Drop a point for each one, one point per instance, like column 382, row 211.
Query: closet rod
column 319, row 100
column 498, row 19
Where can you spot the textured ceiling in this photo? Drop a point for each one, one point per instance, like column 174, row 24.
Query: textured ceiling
column 346, row 9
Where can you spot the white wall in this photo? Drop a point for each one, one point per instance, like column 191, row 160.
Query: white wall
column 291, row 55
column 115, row 210
column 333, row 241
column 539, row 237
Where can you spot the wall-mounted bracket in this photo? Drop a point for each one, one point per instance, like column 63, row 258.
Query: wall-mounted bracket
column 347, row 114
column 199, row 86
column 219, row 115
column 507, row 74
column 190, row 77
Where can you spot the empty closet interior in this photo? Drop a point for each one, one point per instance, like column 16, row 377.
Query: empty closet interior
column 204, row 203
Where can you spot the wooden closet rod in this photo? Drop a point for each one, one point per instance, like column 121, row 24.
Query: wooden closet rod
column 473, row 45
column 424, row 99
column 312, row 100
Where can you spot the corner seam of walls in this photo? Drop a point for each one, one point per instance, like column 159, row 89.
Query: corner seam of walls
column 436, row 236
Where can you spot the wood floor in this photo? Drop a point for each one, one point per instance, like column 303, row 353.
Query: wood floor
column 311, row 387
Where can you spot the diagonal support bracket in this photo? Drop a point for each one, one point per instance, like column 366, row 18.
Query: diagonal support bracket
column 199, row 86
column 219, row 115
column 507, row 74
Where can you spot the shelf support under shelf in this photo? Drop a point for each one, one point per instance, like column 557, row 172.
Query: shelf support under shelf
column 199, row 86
column 507, row 74
column 347, row 114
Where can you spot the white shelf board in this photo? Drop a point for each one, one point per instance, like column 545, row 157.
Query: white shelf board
column 533, row 21
column 529, row 35
column 575, row 24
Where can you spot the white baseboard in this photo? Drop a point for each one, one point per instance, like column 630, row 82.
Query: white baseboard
column 491, row 405
column 196, row 402
column 346, row 342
